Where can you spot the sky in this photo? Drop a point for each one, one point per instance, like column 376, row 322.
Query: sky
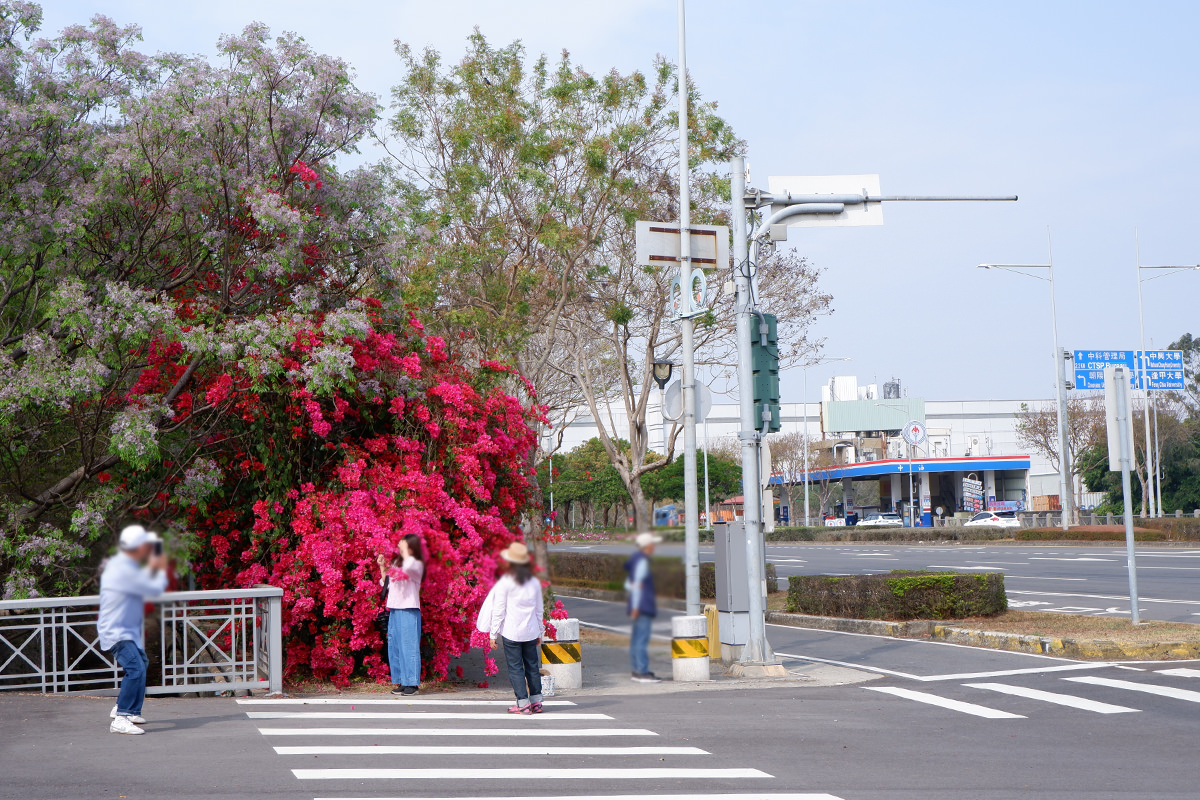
column 1088, row 111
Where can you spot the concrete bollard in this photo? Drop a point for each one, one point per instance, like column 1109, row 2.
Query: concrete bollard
column 563, row 657
column 689, row 648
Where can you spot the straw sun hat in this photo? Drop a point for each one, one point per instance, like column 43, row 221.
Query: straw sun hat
column 516, row 553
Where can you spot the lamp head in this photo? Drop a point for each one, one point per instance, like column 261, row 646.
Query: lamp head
column 662, row 373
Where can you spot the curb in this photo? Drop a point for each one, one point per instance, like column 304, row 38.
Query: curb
column 876, row 627
column 1084, row 649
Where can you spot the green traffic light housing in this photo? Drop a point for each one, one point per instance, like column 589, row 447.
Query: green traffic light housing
column 764, row 352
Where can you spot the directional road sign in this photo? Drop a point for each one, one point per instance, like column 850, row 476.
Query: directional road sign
column 1161, row 369
column 1090, row 366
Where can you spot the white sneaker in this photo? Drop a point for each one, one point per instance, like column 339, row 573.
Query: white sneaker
column 124, row 725
column 135, row 718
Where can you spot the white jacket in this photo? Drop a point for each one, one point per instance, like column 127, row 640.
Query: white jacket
column 517, row 610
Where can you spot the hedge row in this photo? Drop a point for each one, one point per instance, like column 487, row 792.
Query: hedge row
column 899, row 595
column 1139, row 534
column 607, row 571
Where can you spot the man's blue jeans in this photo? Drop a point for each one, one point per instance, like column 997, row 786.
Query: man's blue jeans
column 639, row 644
column 133, row 662
column 404, row 646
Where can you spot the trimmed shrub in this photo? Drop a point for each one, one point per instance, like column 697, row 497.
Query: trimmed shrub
column 607, row 571
column 899, row 595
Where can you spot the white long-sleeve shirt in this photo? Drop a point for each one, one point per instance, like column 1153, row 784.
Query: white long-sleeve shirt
column 517, row 610
column 124, row 587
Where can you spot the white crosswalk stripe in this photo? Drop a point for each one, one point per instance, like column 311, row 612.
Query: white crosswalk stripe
column 1148, row 688
column 640, row 796
column 558, row 732
column 418, row 715
column 1182, row 672
column 945, row 702
column 1068, row 700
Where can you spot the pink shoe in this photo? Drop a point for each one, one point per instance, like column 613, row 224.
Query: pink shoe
column 519, row 710
column 537, row 708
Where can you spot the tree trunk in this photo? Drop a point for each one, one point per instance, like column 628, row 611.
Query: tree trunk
column 637, row 495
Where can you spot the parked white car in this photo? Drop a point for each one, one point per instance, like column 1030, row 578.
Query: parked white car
column 885, row 520
column 993, row 519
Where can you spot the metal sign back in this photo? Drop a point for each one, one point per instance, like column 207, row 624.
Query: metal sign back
column 1120, row 432
column 853, row 214
column 657, row 244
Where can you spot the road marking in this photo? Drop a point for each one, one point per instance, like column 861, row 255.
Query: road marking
column 1148, row 688
column 945, row 702
column 865, row 668
column 1182, row 672
column 527, row 773
column 467, row 750
column 952, row 566
column 1060, row 558
column 1069, row 700
column 1039, row 578
column 416, row 716
column 966, row 676
column 1151, row 566
column 338, row 701
column 639, row 796
column 519, row 731
column 1108, row 597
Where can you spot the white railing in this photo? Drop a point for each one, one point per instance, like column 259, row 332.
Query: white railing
column 208, row 641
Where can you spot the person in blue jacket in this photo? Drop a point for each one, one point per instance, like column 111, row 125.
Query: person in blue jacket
column 643, row 606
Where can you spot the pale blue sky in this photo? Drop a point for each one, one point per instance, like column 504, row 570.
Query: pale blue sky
column 1087, row 110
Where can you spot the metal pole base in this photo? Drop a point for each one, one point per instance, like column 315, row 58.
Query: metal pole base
column 744, row 669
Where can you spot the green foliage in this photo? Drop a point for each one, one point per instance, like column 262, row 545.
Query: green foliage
column 724, row 479
column 899, row 595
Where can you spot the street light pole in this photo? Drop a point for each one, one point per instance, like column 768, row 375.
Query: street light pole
column 1059, row 382
column 804, row 369
column 1153, row 482
column 691, row 500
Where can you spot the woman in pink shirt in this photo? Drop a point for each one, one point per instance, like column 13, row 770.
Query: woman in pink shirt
column 402, row 577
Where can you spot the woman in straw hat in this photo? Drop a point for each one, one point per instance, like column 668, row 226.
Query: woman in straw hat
column 517, row 622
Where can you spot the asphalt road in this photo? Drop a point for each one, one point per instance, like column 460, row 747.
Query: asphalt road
column 1086, row 579
column 853, row 742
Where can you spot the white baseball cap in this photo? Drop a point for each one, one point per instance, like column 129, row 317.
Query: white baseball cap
column 135, row 536
column 647, row 539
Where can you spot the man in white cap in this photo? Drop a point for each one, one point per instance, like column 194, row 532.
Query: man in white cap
column 135, row 573
column 643, row 606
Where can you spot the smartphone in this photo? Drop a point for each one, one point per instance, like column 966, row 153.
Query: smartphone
column 158, row 547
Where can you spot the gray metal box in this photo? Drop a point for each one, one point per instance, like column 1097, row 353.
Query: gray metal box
column 732, row 589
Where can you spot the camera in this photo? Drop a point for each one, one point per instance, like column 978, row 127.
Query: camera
column 158, row 547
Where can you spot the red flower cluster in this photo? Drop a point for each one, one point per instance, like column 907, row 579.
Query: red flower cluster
column 317, row 485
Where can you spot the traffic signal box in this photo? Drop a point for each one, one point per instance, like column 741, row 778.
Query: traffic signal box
column 765, row 359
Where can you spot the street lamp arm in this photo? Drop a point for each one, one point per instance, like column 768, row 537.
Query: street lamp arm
column 796, row 210
column 1170, row 271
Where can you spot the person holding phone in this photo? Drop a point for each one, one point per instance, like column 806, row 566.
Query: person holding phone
column 137, row 572
column 401, row 579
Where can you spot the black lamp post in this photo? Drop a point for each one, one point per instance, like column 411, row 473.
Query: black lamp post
column 662, row 373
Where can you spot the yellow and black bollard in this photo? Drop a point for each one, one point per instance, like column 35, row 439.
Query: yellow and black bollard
column 563, row 657
column 689, row 648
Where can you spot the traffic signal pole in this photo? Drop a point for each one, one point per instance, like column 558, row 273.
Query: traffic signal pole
column 757, row 656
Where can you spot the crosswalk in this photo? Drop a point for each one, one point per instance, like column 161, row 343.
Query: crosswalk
column 1152, row 686
column 490, row 749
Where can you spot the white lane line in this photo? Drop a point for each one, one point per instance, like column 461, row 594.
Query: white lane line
column 1108, row 597
column 1151, row 566
column 1182, row 672
column 1059, row 558
column 467, row 750
column 415, row 716
column 521, row 731
column 967, row 676
column 338, row 701
column 863, row 667
column 1039, row 578
column 1148, row 688
column 945, row 702
column 639, row 796
column 527, row 773
column 1069, row 700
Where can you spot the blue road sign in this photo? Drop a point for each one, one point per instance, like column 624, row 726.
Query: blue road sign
column 1148, row 369
column 1090, row 364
